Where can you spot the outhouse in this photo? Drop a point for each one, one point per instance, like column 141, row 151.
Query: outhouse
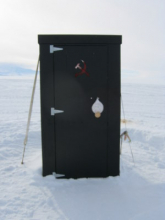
column 80, row 104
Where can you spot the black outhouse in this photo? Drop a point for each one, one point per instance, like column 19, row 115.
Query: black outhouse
column 80, row 104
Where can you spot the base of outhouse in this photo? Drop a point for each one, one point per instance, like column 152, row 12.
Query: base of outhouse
column 60, row 176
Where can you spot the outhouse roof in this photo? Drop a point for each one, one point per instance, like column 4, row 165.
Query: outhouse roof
column 79, row 39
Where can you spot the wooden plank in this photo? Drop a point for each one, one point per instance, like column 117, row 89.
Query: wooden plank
column 114, row 110
column 79, row 39
column 47, row 101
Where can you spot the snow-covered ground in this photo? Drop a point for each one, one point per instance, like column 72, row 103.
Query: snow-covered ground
column 137, row 194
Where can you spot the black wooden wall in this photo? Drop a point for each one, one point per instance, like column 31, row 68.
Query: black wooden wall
column 47, row 78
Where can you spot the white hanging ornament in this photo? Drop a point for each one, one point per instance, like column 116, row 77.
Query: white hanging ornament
column 97, row 108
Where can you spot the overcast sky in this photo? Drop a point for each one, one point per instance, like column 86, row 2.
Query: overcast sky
column 140, row 22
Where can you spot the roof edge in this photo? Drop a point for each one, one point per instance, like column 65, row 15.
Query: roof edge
column 79, row 39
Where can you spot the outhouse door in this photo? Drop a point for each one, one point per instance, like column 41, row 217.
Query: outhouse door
column 81, row 139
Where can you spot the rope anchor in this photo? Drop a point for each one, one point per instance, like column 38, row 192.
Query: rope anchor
column 126, row 136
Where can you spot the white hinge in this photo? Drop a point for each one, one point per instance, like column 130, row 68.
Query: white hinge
column 53, row 49
column 56, row 175
column 55, row 111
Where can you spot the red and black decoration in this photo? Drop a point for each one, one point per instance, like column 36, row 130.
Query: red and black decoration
column 83, row 70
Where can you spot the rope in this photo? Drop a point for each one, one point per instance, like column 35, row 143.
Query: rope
column 126, row 133
column 30, row 110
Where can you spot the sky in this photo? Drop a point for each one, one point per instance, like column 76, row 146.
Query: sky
column 140, row 22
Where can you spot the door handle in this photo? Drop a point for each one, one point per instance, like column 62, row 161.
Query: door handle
column 55, row 111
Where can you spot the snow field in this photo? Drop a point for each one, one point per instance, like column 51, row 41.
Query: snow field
column 137, row 194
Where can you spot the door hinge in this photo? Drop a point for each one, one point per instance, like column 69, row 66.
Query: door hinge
column 53, row 49
column 56, row 175
column 55, row 111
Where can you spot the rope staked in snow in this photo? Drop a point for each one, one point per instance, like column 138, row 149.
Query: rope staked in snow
column 30, row 110
column 125, row 133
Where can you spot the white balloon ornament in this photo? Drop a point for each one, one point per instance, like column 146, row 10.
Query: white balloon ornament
column 97, row 108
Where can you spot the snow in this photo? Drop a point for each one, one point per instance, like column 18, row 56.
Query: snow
column 137, row 194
